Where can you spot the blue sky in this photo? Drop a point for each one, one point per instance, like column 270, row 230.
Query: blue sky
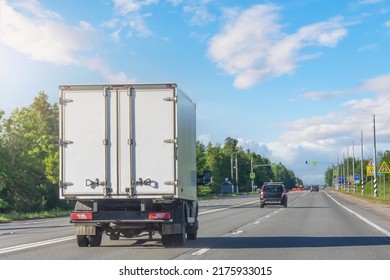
column 291, row 80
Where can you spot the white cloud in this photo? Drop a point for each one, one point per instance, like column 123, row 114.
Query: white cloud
column 42, row 35
column 128, row 19
column 204, row 138
column 200, row 14
column 252, row 47
column 369, row 47
column 97, row 64
column 376, row 85
column 324, row 138
column 369, row 2
column 380, row 84
column 124, row 7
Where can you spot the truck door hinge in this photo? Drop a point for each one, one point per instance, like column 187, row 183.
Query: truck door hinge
column 170, row 99
column 65, row 142
column 65, row 184
column 63, row 101
column 105, row 142
column 170, row 141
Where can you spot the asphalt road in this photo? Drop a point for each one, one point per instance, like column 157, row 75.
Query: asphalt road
column 314, row 226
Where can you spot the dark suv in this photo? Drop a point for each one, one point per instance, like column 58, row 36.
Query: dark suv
column 315, row 188
column 273, row 193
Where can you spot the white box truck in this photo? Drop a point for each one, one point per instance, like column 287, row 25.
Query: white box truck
column 128, row 159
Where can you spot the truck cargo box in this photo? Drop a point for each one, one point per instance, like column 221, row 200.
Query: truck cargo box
column 127, row 141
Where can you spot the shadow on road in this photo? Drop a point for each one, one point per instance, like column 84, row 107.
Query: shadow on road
column 293, row 242
column 263, row 242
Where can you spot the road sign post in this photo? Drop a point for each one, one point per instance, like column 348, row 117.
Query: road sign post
column 384, row 169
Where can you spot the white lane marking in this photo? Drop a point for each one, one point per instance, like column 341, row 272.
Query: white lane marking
column 35, row 244
column 382, row 230
column 200, row 252
column 230, row 207
column 7, row 233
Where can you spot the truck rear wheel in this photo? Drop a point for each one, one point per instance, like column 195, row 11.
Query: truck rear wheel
column 177, row 239
column 95, row 240
column 177, row 235
column 82, row 240
column 168, row 240
column 192, row 233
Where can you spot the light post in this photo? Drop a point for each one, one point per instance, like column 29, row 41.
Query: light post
column 254, row 166
column 231, row 170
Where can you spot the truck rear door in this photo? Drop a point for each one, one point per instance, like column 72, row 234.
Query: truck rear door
column 83, row 153
column 153, row 153
column 118, row 141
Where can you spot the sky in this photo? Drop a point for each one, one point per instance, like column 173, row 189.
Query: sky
column 292, row 80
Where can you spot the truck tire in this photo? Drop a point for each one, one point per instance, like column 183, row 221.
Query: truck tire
column 95, row 240
column 192, row 233
column 192, row 228
column 82, row 240
column 262, row 204
column 177, row 238
column 168, row 240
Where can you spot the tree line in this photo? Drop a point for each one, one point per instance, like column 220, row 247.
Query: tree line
column 29, row 160
column 347, row 166
column 218, row 160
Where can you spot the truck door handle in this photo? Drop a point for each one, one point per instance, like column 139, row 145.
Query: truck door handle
column 90, row 183
column 141, row 182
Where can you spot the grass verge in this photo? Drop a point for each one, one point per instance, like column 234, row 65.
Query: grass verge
column 6, row 218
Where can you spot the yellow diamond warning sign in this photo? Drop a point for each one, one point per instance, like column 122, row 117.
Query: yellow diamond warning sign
column 384, row 168
column 370, row 170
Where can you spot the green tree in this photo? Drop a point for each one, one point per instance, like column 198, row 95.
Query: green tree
column 219, row 165
column 30, row 138
column 201, row 157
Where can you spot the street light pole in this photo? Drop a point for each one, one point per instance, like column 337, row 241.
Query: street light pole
column 231, row 170
column 257, row 165
column 375, row 169
column 237, row 189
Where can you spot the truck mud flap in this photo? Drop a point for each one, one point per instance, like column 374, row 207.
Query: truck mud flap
column 85, row 230
column 172, row 229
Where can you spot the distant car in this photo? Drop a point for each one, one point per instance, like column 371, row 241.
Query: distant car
column 315, row 188
column 273, row 193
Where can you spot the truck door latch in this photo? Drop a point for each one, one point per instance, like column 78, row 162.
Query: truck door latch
column 93, row 184
column 141, row 182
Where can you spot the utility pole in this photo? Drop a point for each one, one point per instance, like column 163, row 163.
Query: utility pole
column 353, row 166
column 375, row 169
column 348, row 174
column 237, row 189
column 231, row 170
column 361, row 162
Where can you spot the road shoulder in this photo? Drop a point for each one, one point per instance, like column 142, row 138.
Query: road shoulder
column 382, row 210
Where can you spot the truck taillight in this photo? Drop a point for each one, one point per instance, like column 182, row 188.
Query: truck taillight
column 159, row 215
column 81, row 216
column 261, row 194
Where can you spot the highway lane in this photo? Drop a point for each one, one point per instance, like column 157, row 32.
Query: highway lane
column 314, row 226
